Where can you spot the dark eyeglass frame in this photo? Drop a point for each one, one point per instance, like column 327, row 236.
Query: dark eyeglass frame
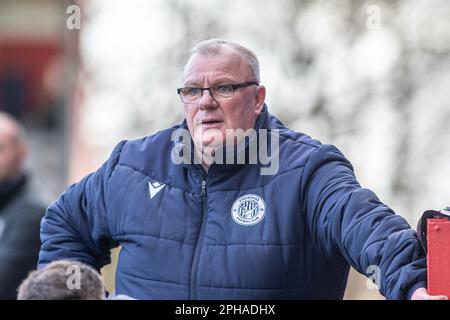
column 219, row 98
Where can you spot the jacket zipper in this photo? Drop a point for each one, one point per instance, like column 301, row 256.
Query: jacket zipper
column 203, row 192
column 195, row 262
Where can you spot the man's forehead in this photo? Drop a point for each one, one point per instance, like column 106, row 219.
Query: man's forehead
column 215, row 76
column 224, row 64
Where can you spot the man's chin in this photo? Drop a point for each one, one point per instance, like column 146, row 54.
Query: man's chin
column 211, row 138
column 206, row 145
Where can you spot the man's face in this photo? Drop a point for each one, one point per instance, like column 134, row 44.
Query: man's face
column 208, row 117
column 11, row 156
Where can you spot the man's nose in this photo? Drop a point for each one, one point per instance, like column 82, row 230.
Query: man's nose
column 207, row 100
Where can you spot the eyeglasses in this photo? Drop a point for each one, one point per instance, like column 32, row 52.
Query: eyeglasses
column 219, row 93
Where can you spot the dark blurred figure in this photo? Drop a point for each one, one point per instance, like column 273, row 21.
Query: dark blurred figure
column 50, row 114
column 63, row 280
column 12, row 92
column 20, row 210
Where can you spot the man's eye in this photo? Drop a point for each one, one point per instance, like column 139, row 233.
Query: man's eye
column 191, row 91
column 226, row 89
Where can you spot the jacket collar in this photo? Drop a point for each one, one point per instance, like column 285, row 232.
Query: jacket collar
column 263, row 121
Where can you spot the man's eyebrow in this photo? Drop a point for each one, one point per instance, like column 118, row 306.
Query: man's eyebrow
column 191, row 84
column 225, row 80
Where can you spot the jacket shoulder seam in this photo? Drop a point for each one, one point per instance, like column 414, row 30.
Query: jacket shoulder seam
column 116, row 162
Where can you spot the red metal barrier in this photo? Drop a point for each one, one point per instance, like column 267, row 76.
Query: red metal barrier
column 438, row 258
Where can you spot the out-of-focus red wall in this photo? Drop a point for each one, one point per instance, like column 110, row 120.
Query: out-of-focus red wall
column 28, row 59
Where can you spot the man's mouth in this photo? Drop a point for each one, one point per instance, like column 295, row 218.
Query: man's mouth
column 210, row 123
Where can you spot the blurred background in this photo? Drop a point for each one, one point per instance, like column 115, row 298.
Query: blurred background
column 371, row 77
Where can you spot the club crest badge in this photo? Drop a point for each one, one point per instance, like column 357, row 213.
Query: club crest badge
column 248, row 210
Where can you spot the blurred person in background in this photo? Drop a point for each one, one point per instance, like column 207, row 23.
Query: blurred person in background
column 63, row 280
column 13, row 91
column 21, row 209
column 224, row 230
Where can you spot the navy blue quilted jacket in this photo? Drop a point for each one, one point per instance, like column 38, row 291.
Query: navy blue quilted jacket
column 180, row 238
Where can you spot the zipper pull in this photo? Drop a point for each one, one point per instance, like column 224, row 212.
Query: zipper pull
column 203, row 193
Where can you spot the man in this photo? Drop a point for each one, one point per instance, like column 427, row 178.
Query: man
column 204, row 228
column 20, row 210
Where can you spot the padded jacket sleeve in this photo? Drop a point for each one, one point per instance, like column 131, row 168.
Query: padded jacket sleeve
column 75, row 227
column 348, row 221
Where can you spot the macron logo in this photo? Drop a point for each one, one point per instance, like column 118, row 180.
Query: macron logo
column 155, row 187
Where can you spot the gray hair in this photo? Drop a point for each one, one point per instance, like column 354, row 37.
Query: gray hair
column 51, row 283
column 215, row 46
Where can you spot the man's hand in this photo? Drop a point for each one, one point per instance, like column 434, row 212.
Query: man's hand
column 422, row 294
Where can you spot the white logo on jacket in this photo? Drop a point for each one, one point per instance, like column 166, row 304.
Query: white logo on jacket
column 248, row 210
column 155, row 187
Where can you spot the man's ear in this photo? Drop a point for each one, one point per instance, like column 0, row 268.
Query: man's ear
column 260, row 97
